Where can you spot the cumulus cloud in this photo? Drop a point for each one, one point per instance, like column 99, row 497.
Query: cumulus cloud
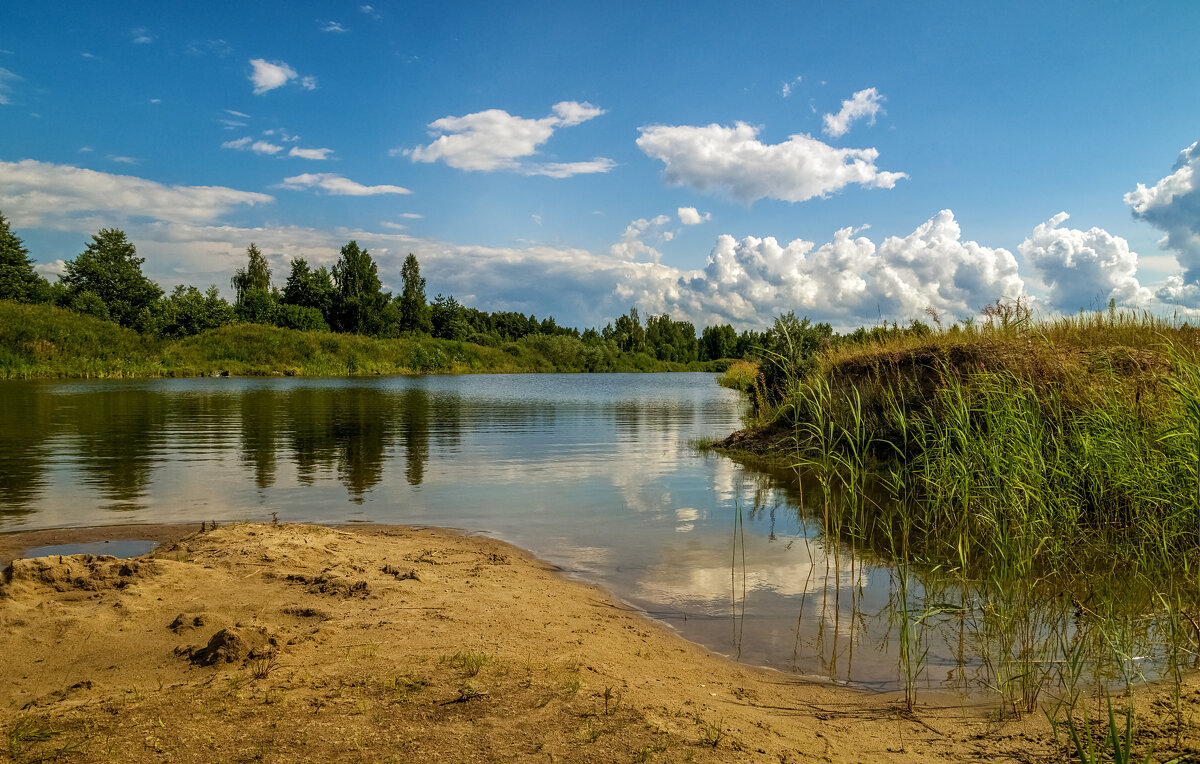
column 863, row 104
column 269, row 75
column 1084, row 269
column 492, row 140
column 310, row 153
column 249, row 144
column 36, row 193
column 692, row 216
column 1173, row 206
column 337, row 185
column 7, row 78
column 787, row 88
column 847, row 281
column 733, row 161
column 631, row 247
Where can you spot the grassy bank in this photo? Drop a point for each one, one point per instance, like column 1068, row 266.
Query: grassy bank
column 40, row 341
column 1035, row 482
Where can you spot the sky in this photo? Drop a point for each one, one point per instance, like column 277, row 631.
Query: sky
column 853, row 162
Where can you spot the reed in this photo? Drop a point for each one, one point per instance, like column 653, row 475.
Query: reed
column 1026, row 460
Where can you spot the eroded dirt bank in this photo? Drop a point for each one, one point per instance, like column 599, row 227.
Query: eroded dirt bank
column 291, row 643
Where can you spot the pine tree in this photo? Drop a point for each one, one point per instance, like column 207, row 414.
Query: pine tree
column 18, row 280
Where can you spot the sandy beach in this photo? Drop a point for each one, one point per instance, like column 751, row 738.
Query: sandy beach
column 261, row 642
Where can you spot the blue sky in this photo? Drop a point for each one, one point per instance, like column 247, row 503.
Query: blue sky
column 850, row 161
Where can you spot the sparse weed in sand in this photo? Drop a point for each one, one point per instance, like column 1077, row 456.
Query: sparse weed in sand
column 262, row 666
column 711, row 735
column 404, row 687
column 470, row 663
column 572, row 684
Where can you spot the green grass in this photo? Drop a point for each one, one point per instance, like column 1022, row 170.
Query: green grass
column 40, row 342
column 1040, row 480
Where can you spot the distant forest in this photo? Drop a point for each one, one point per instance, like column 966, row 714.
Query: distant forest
column 106, row 281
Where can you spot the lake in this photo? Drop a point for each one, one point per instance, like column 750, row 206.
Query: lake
column 598, row 474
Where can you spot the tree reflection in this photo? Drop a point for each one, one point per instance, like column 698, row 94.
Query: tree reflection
column 414, row 425
column 259, row 430
column 25, row 424
column 119, row 432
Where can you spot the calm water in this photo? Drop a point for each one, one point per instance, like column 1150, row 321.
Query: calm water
column 596, row 473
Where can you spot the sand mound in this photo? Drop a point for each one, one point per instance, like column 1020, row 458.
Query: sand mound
column 65, row 573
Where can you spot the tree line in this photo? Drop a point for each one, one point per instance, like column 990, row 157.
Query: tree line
column 106, row 281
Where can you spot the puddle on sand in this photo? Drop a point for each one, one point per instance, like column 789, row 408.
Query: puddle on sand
column 122, row 548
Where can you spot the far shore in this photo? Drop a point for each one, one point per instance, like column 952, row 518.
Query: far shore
column 371, row 643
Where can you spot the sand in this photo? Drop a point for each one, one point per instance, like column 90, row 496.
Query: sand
column 260, row 642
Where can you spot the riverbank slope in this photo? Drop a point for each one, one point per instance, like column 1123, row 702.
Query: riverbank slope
column 45, row 342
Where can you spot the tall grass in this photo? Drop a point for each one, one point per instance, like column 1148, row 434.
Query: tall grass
column 1050, row 468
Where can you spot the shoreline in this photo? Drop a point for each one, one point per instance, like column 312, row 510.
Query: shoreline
column 371, row 642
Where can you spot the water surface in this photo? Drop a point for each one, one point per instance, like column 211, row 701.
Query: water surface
column 596, row 473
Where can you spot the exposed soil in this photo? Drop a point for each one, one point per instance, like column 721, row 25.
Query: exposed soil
column 305, row 643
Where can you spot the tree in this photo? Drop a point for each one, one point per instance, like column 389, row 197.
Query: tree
column 18, row 280
column 628, row 333
column 309, row 288
column 414, row 312
column 256, row 274
column 110, row 271
column 359, row 303
column 254, row 302
column 186, row 312
column 448, row 319
column 718, row 342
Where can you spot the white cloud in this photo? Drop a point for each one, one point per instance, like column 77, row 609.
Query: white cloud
column 495, row 140
column 369, row 11
column 231, row 124
column 269, row 75
column 632, row 248
column 692, row 216
column 1084, row 269
column 732, row 160
column 331, row 26
column 411, row 215
column 86, row 149
column 310, row 153
column 249, row 144
column 155, row 100
column 393, row 226
column 864, row 103
column 338, row 185
column 121, row 159
column 52, row 270
column 237, row 114
column 7, row 78
column 141, row 36
column 567, row 169
column 1178, row 293
column 848, row 281
column 1173, row 206
column 571, row 113
column 36, row 193
column 787, row 88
